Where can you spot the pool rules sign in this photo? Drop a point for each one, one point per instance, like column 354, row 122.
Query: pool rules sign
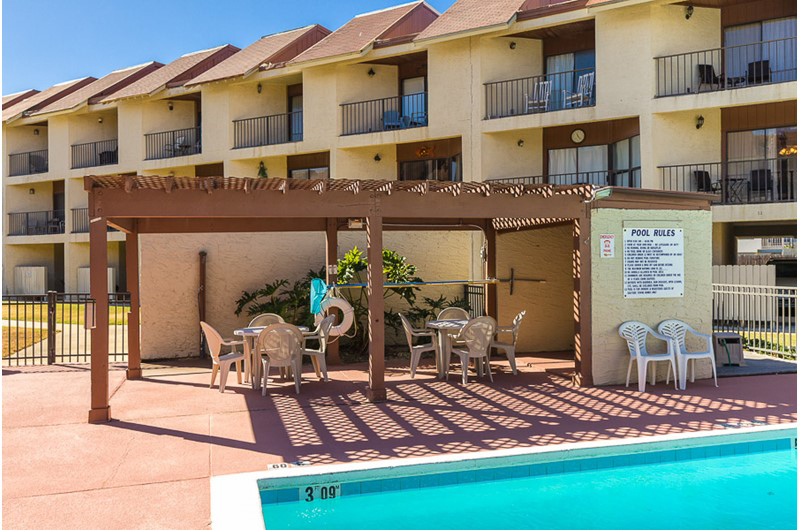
column 652, row 262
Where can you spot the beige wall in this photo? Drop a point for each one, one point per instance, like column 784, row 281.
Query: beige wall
column 503, row 157
column 609, row 308
column 26, row 256
column 360, row 163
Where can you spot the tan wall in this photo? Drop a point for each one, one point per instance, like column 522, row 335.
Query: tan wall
column 609, row 308
column 85, row 128
column 26, row 256
column 503, row 157
column 361, row 162
column 275, row 166
column 22, row 139
column 76, row 255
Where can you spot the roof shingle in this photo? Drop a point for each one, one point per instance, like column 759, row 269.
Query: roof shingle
column 466, row 15
column 12, row 99
column 45, row 97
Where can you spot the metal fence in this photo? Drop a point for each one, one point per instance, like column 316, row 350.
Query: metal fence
column 629, row 178
column 49, row 329
column 473, row 294
column 268, row 130
column 36, row 223
column 385, row 114
column 92, row 154
column 169, row 144
column 760, row 63
column 27, row 163
column 541, row 93
column 764, row 316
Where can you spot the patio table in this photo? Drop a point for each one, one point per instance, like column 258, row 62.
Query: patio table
column 252, row 359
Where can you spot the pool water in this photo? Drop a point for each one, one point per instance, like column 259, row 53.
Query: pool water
column 738, row 491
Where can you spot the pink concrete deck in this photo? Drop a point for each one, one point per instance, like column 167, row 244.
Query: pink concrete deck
column 150, row 466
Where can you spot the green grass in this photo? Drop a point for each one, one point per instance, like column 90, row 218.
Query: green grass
column 65, row 313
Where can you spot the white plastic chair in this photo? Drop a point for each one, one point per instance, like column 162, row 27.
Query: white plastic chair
column 318, row 355
column 477, row 336
column 282, row 344
column 418, row 350
column 453, row 313
column 676, row 330
column 510, row 347
column 635, row 334
column 584, row 94
column 541, row 97
column 222, row 363
column 265, row 319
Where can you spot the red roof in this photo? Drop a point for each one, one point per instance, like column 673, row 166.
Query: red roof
column 466, row 15
column 45, row 97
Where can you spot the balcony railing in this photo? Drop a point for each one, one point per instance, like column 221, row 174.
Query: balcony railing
column 27, row 163
column 386, row 114
column 268, row 130
column 761, row 63
column 92, row 154
column 169, row 144
column 80, row 220
column 628, row 178
column 36, row 223
column 541, row 93
column 739, row 182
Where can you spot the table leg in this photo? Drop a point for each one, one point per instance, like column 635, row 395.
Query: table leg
column 255, row 369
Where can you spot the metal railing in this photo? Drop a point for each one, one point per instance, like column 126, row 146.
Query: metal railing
column 732, row 67
column 169, row 144
column 736, row 182
column 49, row 328
column 764, row 316
column 268, row 130
column 385, row 114
column 541, row 93
column 36, row 223
column 80, row 220
column 27, row 163
column 473, row 294
column 628, row 178
column 92, row 154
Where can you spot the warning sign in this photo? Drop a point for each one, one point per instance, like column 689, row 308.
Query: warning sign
column 652, row 262
column 607, row 242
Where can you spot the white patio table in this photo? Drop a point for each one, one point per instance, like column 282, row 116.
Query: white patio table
column 253, row 371
column 446, row 330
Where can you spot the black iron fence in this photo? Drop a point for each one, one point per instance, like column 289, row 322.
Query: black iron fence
column 268, row 130
column 541, row 93
column 629, row 178
column 760, row 63
column 169, row 144
column 92, row 154
column 473, row 294
column 385, row 114
column 36, row 223
column 737, row 182
column 50, row 328
column 27, row 163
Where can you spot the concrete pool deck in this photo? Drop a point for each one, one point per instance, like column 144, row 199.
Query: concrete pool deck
column 150, row 466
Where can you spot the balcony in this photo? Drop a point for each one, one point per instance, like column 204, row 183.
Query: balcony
column 730, row 68
column 628, row 178
column 27, row 163
column 170, row 144
column 386, row 114
column 268, row 130
column 742, row 182
column 542, row 93
column 92, row 154
column 36, row 223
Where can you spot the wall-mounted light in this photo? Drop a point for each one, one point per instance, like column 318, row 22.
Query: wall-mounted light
column 100, row 120
column 512, row 45
column 699, row 121
column 377, row 157
column 258, row 88
column 689, row 12
column 262, row 170
column 171, row 174
column 36, row 132
column 371, row 72
column 170, row 106
column 520, row 142
column 31, row 191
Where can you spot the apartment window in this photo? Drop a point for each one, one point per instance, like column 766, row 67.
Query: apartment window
column 564, row 70
column 296, row 118
column 444, row 169
column 309, row 173
column 759, row 52
column 413, row 100
column 617, row 164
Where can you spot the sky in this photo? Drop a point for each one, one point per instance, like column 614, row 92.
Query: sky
column 50, row 41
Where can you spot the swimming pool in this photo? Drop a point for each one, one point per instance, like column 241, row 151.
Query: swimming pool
column 731, row 480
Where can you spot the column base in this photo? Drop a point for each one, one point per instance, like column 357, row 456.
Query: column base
column 133, row 373
column 376, row 395
column 101, row 415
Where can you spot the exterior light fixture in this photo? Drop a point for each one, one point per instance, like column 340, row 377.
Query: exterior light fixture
column 355, row 224
column 512, row 45
column 689, row 12
column 377, row 157
column 699, row 121
column 31, row 191
column 520, row 142
column 36, row 132
column 262, row 170
column 170, row 106
column 258, row 88
column 100, row 120
column 371, row 72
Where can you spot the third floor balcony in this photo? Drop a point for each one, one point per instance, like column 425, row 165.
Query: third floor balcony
column 27, row 163
column 385, row 114
column 543, row 93
column 268, row 130
column 102, row 153
column 170, row 144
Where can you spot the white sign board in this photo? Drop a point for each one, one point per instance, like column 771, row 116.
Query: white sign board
column 607, row 244
column 652, row 262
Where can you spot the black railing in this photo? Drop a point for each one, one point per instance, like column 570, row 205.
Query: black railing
column 36, row 223
column 628, row 178
column 737, row 182
column 169, row 144
column 761, row 63
column 27, row 163
column 49, row 329
column 386, row 114
column 541, row 93
column 80, row 220
column 92, row 154
column 268, row 130
column 474, row 295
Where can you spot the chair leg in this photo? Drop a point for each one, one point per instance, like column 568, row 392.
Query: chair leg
column 415, row 354
column 675, row 371
column 682, row 366
column 239, row 370
column 694, row 362
column 653, row 373
column 315, row 364
column 223, row 375
column 628, row 379
column 265, row 364
column 296, row 373
column 489, row 369
column 714, row 370
column 464, row 367
column 641, row 367
column 214, row 370
column 323, row 365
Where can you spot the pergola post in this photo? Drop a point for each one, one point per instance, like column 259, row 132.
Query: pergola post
column 490, row 293
column 581, row 296
column 376, row 390
column 132, row 275
column 98, row 288
column 331, row 257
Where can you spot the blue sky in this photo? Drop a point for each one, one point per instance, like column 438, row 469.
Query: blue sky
column 49, row 41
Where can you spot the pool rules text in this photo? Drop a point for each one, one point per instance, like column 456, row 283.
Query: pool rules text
column 652, row 262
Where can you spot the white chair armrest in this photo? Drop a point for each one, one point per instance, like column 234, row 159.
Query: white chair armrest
column 698, row 334
column 232, row 342
column 422, row 333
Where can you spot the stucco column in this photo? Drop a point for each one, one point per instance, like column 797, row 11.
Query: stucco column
column 581, row 297
column 132, row 276
column 376, row 390
column 98, row 287
column 331, row 257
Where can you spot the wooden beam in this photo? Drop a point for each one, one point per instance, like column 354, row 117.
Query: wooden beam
column 123, row 225
column 331, row 257
column 132, row 275
column 581, row 296
column 490, row 292
column 205, row 225
column 98, row 287
column 377, row 389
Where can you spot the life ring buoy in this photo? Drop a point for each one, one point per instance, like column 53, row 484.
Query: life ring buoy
column 347, row 315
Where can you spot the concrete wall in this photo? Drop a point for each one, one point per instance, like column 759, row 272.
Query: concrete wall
column 609, row 308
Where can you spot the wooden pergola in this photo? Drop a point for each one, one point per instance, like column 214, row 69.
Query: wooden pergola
column 159, row 205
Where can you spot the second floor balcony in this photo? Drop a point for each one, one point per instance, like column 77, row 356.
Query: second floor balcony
column 102, row 153
column 268, row 130
column 36, row 223
column 737, row 182
column 628, row 178
column 542, row 93
column 28, row 163
column 170, row 144
column 385, row 114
